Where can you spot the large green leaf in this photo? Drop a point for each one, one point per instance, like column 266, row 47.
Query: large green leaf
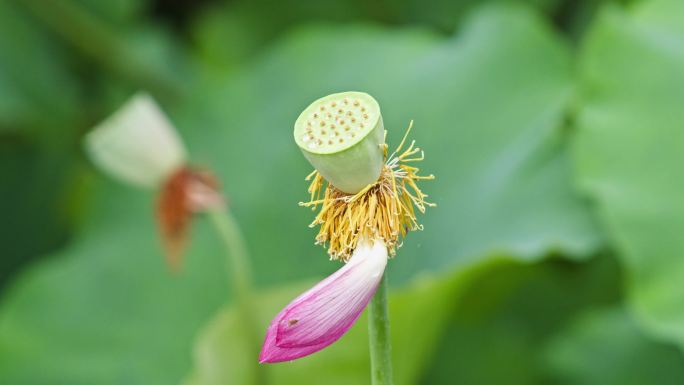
column 105, row 311
column 555, row 322
column 517, row 154
column 491, row 132
column 499, row 328
column 630, row 148
column 606, row 347
column 230, row 33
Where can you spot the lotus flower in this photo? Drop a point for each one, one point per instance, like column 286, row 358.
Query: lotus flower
column 367, row 201
column 139, row 145
column 323, row 314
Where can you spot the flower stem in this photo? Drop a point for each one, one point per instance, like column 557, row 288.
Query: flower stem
column 239, row 273
column 379, row 336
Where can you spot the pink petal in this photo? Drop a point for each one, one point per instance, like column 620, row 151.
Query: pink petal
column 323, row 314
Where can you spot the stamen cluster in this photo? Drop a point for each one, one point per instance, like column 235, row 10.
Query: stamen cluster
column 383, row 210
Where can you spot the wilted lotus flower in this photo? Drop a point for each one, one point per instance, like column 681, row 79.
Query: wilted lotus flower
column 138, row 145
column 366, row 206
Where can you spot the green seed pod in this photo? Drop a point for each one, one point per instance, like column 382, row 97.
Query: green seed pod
column 341, row 135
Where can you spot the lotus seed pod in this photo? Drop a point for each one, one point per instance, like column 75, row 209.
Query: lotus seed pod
column 341, row 135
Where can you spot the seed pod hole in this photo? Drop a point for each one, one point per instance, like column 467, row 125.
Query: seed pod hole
column 334, row 118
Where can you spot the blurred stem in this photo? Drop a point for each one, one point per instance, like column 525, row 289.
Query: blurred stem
column 379, row 336
column 96, row 40
column 239, row 273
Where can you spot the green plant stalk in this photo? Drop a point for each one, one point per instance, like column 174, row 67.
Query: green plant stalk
column 379, row 336
column 239, row 274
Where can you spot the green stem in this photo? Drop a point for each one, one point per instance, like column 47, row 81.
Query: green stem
column 239, row 272
column 379, row 336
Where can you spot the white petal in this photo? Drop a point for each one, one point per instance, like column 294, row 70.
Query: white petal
column 137, row 144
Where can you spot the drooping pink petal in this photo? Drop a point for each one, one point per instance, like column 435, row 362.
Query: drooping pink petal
column 324, row 313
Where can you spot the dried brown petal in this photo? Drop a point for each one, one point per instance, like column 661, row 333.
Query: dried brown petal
column 186, row 192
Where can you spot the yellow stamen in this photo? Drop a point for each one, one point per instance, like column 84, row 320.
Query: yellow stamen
column 382, row 210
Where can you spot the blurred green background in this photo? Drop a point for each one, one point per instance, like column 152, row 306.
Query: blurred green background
column 555, row 129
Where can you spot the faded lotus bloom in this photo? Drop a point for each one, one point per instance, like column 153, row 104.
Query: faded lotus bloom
column 361, row 223
column 139, row 145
